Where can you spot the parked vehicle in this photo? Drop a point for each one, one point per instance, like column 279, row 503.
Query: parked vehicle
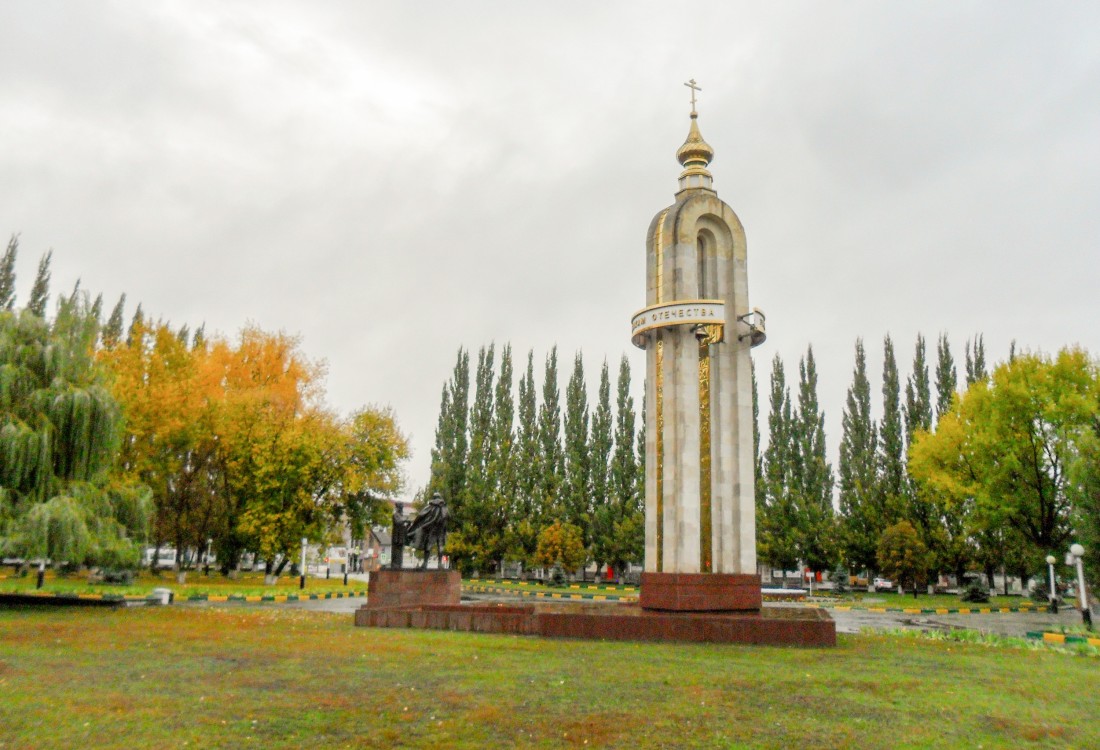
column 884, row 584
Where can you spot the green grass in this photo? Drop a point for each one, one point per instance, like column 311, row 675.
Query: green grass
column 283, row 678
column 249, row 584
column 925, row 601
column 853, row 599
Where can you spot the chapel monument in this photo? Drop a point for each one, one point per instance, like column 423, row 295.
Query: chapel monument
column 697, row 329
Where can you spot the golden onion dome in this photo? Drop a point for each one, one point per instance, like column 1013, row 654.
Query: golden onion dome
column 695, row 152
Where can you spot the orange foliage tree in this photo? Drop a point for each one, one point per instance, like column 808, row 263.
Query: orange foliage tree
column 237, row 445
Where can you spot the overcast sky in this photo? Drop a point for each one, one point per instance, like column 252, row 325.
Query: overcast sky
column 392, row 181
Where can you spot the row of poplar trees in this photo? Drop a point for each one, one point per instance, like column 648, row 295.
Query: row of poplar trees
column 798, row 525
column 990, row 476
column 527, row 483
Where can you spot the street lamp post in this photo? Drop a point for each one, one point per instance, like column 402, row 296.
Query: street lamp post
column 209, row 550
column 302, row 580
column 1053, row 596
column 1078, row 554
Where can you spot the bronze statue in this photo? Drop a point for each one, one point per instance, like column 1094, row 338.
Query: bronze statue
column 430, row 528
column 398, row 537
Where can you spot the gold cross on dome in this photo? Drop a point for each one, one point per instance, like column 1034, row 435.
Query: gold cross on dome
column 691, row 85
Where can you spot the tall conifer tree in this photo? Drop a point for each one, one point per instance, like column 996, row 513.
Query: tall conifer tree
column 862, row 520
column 947, row 379
column 599, row 453
column 40, row 292
column 577, row 464
column 918, row 394
column 920, row 509
column 813, row 474
column 778, row 526
column 478, row 487
column 975, row 360
column 891, row 439
column 455, row 482
column 443, row 449
column 112, row 331
column 7, row 274
column 527, row 517
column 758, row 461
column 623, row 536
column 551, row 458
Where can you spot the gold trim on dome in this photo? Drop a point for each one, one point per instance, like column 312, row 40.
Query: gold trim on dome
column 659, row 256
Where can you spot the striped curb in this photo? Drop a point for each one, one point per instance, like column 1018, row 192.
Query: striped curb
column 611, row 587
column 190, row 597
column 277, row 598
column 935, row 611
column 549, row 594
column 71, row 595
column 1062, row 638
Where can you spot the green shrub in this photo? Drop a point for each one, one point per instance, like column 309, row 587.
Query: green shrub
column 840, row 580
column 976, row 592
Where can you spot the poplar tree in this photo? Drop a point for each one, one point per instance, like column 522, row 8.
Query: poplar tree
column 478, row 458
column 947, row 379
column 812, row 474
column 40, row 292
column 137, row 326
column 862, row 519
column 576, row 492
column 455, row 481
column 624, row 466
column 551, row 459
column 758, row 461
column 891, row 440
column 444, row 445
column 921, row 510
column 526, row 518
column 625, row 524
column 778, row 527
column 7, row 274
column 449, row 454
column 112, row 330
column 599, row 453
column 474, row 539
column 502, row 470
column 918, row 395
column 975, row 360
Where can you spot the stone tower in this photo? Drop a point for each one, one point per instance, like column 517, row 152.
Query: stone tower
column 697, row 329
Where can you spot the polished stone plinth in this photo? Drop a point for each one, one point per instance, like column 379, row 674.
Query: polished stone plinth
column 700, row 592
column 772, row 626
column 409, row 588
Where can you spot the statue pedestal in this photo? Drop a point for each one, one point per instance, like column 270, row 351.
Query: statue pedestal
column 700, row 592
column 412, row 588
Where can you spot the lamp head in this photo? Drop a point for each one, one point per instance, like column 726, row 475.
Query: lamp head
column 1051, row 559
column 1077, row 550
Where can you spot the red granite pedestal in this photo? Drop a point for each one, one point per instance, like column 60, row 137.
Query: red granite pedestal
column 728, row 611
column 700, row 592
column 411, row 588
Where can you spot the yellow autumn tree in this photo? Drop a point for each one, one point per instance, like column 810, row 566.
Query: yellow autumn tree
column 169, row 393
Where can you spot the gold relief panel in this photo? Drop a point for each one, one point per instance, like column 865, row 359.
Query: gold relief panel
column 660, row 451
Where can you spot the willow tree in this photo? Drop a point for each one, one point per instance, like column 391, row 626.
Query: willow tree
column 59, row 430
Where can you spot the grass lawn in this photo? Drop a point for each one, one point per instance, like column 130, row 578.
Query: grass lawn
column 249, row 584
column 852, row 599
column 927, row 601
column 286, row 678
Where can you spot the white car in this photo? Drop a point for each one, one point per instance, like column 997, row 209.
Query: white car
column 884, row 584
